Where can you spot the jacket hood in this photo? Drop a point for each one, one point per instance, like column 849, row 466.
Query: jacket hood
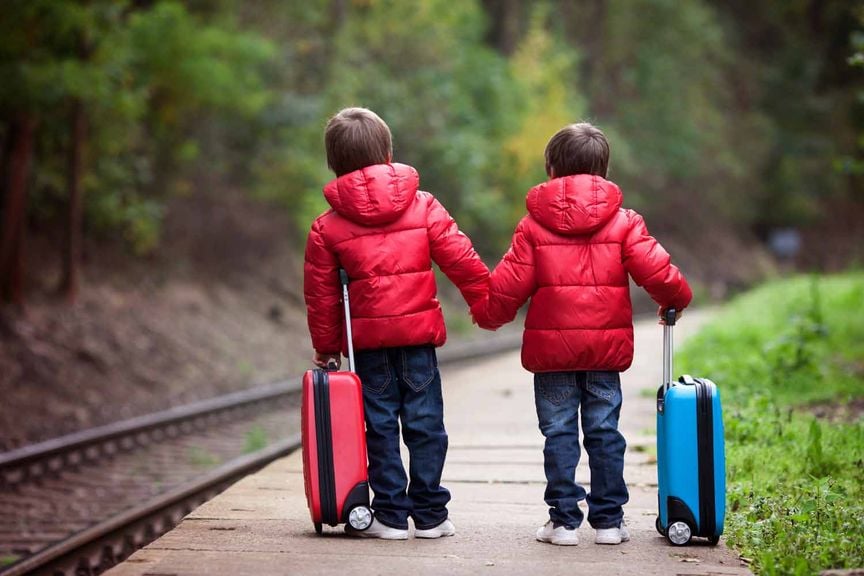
column 572, row 205
column 373, row 195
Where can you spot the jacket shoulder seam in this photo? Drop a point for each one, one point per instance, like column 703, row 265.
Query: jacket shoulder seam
column 378, row 232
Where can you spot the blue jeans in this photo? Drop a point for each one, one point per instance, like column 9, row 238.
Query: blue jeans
column 403, row 384
column 558, row 396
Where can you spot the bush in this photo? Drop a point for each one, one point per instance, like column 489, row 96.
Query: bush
column 795, row 482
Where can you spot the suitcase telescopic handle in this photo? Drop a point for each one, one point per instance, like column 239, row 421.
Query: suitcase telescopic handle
column 669, row 321
column 343, row 279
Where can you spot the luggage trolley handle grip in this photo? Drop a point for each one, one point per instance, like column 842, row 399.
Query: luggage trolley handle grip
column 343, row 279
column 669, row 316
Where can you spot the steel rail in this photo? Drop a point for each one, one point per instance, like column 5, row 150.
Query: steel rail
column 36, row 455
column 65, row 551
column 16, row 465
column 70, row 555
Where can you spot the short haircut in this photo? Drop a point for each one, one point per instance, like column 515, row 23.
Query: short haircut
column 355, row 138
column 578, row 149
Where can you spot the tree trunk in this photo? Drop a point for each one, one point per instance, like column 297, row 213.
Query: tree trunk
column 507, row 23
column 338, row 13
column 74, row 222
column 599, row 76
column 322, row 63
column 15, row 209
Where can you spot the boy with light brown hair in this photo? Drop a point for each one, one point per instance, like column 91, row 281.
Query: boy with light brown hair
column 386, row 233
column 572, row 256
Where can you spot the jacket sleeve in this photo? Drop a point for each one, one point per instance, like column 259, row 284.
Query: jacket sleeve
column 453, row 252
column 651, row 266
column 511, row 284
column 322, row 292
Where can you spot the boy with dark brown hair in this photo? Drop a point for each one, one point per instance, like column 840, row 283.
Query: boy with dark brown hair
column 386, row 233
column 572, row 255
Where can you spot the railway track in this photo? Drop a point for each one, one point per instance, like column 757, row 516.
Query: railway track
column 81, row 503
column 124, row 484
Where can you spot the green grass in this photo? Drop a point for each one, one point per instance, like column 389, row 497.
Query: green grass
column 648, row 393
column 795, row 483
column 256, row 439
column 8, row 559
column 202, row 458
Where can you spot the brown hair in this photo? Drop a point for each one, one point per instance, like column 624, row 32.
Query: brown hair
column 355, row 138
column 578, row 149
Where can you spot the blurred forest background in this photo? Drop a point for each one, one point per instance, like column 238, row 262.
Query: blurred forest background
column 161, row 161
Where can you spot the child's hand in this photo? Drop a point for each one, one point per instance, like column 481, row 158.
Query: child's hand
column 324, row 360
column 660, row 312
column 479, row 316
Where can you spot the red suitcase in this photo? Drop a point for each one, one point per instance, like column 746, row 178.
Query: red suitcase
column 334, row 442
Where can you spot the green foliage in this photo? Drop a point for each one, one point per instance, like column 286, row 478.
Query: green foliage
column 188, row 65
column 693, row 96
column 449, row 100
column 672, row 109
column 450, row 107
column 36, row 54
column 136, row 217
column 853, row 164
column 798, row 336
column 795, row 491
column 292, row 171
column 814, row 527
column 795, row 483
column 806, row 56
column 148, row 79
column 538, row 66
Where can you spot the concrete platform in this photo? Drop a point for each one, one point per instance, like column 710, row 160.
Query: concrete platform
column 495, row 473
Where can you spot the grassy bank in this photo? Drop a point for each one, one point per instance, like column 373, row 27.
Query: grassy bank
column 789, row 361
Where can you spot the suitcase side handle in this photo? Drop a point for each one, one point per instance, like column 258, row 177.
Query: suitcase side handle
column 669, row 321
column 343, row 279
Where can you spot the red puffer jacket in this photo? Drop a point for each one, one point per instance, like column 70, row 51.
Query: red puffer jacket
column 385, row 233
column 571, row 255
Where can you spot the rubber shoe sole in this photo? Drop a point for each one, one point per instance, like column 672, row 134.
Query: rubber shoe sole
column 379, row 531
column 612, row 535
column 446, row 528
column 559, row 536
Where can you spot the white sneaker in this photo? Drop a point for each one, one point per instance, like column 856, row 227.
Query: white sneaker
column 378, row 530
column 560, row 536
column 612, row 535
column 445, row 528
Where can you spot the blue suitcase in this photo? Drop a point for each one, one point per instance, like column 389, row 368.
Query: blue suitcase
column 691, row 462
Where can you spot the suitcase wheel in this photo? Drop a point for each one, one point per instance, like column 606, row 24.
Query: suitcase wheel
column 714, row 540
column 360, row 517
column 659, row 527
column 679, row 533
column 318, row 528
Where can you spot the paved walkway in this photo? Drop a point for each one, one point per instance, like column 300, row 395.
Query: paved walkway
column 495, row 473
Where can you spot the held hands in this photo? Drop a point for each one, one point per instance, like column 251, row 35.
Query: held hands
column 322, row 360
column 478, row 313
column 661, row 310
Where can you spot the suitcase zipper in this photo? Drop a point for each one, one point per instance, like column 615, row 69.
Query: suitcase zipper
column 324, row 441
column 705, row 442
